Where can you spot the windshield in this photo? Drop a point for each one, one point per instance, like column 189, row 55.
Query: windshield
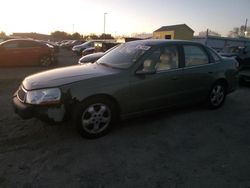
column 124, row 55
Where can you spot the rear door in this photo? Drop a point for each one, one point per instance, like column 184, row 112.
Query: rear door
column 198, row 72
column 31, row 52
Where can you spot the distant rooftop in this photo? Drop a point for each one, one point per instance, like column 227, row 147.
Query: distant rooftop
column 173, row 27
column 31, row 35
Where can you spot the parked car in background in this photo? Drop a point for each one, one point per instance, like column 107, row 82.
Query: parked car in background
column 64, row 43
column 93, row 57
column 135, row 78
column 69, row 45
column 99, row 46
column 240, row 53
column 88, row 51
column 51, row 44
column 24, row 52
column 78, row 49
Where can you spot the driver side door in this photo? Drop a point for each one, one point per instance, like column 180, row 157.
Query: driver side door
column 159, row 86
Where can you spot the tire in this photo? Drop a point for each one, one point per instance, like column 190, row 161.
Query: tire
column 217, row 95
column 95, row 117
column 45, row 61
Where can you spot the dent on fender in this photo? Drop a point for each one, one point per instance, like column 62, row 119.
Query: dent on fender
column 56, row 113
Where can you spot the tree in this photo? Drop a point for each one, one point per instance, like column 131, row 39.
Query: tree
column 60, row 35
column 2, row 35
column 76, row 36
column 106, row 36
column 91, row 37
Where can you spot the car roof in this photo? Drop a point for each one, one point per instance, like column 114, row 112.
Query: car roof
column 19, row 40
column 156, row 42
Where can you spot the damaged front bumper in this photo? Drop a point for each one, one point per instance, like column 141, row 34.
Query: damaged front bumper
column 53, row 113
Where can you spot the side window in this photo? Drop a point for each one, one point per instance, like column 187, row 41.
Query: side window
column 151, row 61
column 10, row 45
column 194, row 55
column 28, row 44
column 168, row 59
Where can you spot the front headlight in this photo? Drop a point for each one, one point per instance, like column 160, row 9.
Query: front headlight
column 43, row 96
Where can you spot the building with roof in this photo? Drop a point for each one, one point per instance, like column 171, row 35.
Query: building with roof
column 181, row 32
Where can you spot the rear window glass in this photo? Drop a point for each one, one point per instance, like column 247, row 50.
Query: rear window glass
column 194, row 55
column 215, row 56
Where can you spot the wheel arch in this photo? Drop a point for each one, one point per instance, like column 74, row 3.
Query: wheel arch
column 103, row 96
column 223, row 81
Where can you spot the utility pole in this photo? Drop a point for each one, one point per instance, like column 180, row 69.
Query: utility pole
column 104, row 25
column 207, row 33
column 246, row 24
column 246, row 28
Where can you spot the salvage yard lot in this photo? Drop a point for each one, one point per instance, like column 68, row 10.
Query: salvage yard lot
column 186, row 147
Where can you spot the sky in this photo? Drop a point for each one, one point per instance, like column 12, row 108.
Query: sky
column 123, row 17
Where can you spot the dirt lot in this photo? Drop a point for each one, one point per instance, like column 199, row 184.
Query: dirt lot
column 188, row 147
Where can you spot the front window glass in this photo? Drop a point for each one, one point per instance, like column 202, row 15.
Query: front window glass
column 168, row 59
column 162, row 59
column 194, row 55
column 124, row 55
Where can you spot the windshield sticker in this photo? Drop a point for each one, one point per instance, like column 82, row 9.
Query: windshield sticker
column 142, row 47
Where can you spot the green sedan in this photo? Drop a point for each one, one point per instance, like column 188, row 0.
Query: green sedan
column 135, row 78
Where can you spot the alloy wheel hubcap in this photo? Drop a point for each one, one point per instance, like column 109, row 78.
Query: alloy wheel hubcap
column 45, row 61
column 96, row 118
column 217, row 95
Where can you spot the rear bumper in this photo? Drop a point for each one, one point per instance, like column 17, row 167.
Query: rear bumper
column 53, row 113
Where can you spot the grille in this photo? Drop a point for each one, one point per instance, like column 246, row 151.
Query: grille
column 21, row 94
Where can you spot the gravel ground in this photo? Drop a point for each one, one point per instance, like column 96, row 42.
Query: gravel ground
column 187, row 147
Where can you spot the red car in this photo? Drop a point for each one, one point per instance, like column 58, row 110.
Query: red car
column 24, row 52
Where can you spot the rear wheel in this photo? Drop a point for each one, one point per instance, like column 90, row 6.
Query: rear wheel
column 95, row 117
column 217, row 95
column 45, row 61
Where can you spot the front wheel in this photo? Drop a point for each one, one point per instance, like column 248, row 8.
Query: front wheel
column 217, row 95
column 95, row 117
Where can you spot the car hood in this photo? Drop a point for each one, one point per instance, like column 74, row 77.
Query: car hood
column 66, row 75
